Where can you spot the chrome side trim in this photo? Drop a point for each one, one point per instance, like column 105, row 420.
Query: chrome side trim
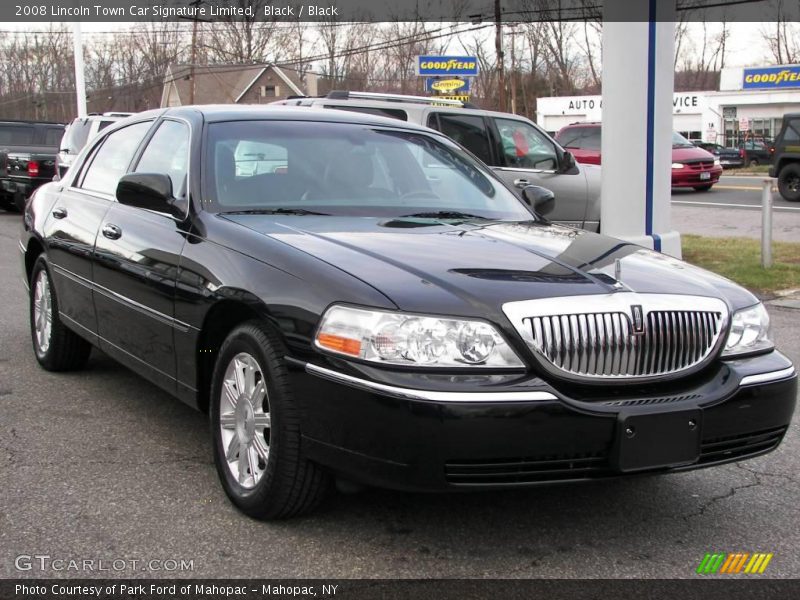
column 767, row 377
column 427, row 395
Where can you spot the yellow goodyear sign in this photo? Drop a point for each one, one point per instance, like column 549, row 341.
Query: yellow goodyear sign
column 448, row 85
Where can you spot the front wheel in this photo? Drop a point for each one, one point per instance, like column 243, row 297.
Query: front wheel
column 789, row 182
column 703, row 188
column 56, row 347
column 256, row 429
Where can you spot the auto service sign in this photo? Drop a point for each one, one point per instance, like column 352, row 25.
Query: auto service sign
column 466, row 66
column 766, row 78
column 447, row 85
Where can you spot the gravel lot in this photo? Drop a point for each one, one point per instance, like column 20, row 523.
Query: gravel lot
column 101, row 464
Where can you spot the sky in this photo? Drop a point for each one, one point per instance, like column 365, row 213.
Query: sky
column 746, row 46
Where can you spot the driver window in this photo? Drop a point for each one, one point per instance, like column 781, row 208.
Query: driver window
column 525, row 147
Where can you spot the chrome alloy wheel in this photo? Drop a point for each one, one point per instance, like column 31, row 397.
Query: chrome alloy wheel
column 244, row 420
column 42, row 312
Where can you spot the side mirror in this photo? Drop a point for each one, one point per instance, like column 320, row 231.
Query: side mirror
column 540, row 199
column 151, row 191
column 567, row 162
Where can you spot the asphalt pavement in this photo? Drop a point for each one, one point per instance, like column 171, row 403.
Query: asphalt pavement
column 732, row 208
column 102, row 465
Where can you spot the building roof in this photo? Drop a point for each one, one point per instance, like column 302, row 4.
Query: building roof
column 225, row 83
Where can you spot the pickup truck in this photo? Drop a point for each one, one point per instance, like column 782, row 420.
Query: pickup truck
column 27, row 159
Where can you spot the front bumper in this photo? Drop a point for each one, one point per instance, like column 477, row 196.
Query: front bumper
column 689, row 177
column 495, row 432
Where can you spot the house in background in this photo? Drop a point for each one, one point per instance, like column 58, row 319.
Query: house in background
column 233, row 84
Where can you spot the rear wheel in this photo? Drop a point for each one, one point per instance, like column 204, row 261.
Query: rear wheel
column 256, row 429
column 703, row 188
column 56, row 347
column 789, row 182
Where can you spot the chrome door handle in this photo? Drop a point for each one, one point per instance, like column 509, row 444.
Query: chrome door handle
column 112, row 232
column 60, row 212
column 521, row 183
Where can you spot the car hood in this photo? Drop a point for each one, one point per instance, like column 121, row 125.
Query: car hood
column 427, row 265
column 690, row 154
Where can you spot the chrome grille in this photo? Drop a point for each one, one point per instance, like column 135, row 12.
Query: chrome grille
column 595, row 336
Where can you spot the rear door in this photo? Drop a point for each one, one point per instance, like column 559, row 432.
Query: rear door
column 72, row 226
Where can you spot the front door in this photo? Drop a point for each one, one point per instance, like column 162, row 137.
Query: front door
column 136, row 265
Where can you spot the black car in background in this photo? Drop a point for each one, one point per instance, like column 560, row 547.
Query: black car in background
column 729, row 158
column 786, row 159
column 357, row 297
column 27, row 159
column 755, row 151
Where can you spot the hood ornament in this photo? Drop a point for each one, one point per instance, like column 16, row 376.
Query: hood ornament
column 617, row 269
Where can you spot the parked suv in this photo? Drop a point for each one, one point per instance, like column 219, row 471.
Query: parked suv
column 786, row 159
column 27, row 159
column 691, row 166
column 519, row 151
column 80, row 131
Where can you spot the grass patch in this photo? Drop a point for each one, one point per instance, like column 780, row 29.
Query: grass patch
column 754, row 170
column 739, row 259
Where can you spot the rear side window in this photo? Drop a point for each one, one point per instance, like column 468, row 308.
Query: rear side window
column 168, row 153
column 16, row 135
column 468, row 130
column 112, row 159
column 792, row 133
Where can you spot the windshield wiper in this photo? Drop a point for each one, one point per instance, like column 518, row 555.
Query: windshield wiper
column 275, row 211
column 444, row 214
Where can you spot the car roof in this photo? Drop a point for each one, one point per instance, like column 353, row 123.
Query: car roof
column 216, row 113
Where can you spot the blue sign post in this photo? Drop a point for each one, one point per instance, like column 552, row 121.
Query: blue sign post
column 770, row 78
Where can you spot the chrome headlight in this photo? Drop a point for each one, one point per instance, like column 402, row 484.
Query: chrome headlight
column 408, row 339
column 678, row 165
column 717, row 163
column 749, row 332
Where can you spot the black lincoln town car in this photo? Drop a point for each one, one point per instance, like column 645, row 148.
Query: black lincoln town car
column 358, row 298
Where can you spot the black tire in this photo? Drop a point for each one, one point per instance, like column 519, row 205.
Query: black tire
column 789, row 182
column 754, row 162
column 65, row 350
column 289, row 484
column 703, row 188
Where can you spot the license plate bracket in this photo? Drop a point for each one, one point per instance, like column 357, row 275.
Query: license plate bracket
column 705, row 176
column 657, row 440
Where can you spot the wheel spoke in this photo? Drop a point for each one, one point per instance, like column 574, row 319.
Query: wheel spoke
column 252, row 462
column 238, row 373
column 261, row 447
column 230, row 394
column 262, row 421
column 233, row 448
column 228, row 421
column 243, row 463
column 258, row 395
column 249, row 379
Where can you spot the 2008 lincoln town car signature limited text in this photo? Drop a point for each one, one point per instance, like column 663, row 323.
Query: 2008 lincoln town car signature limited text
column 350, row 296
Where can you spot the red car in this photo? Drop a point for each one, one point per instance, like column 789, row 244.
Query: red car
column 691, row 166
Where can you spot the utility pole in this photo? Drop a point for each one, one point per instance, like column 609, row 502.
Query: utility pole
column 80, row 81
column 193, row 60
column 513, row 33
column 498, row 45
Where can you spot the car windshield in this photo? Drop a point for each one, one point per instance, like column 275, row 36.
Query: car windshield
column 305, row 167
column 75, row 136
column 678, row 141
